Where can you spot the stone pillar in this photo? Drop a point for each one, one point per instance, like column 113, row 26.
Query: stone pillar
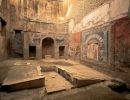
column 66, row 52
column 39, row 52
column 25, row 45
column 56, row 52
column 26, row 52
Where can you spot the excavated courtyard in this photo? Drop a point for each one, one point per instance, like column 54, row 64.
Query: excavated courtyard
column 54, row 80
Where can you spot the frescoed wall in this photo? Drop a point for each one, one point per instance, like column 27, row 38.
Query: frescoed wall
column 94, row 44
column 104, row 48
column 47, row 43
column 36, row 38
column 122, row 43
column 74, row 44
column 61, row 41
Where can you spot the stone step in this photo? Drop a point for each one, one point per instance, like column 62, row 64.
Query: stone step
column 50, row 90
column 32, row 58
column 27, row 83
column 77, row 81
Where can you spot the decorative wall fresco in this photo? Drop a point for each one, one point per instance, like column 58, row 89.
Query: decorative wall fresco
column 36, row 38
column 94, row 44
column 42, row 40
column 61, row 39
column 74, row 46
column 122, row 42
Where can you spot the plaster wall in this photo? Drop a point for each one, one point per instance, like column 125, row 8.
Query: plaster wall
column 81, row 8
column 107, row 12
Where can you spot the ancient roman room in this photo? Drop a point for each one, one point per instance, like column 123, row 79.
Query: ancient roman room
column 64, row 49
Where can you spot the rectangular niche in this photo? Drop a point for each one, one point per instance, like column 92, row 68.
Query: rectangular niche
column 61, row 50
column 18, row 34
column 32, row 51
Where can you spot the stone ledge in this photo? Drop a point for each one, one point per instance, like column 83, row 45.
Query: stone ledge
column 47, row 56
column 34, row 82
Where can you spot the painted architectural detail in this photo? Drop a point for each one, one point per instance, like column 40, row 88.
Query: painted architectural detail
column 36, row 39
column 122, row 43
column 94, row 44
column 75, row 46
column 61, row 39
column 43, row 44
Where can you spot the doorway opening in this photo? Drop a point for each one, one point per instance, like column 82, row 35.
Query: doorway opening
column 61, row 50
column 32, row 51
column 48, row 47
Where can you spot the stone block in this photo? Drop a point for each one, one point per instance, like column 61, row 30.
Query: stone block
column 76, row 80
column 39, row 71
column 34, row 82
column 50, row 90
column 47, row 68
column 85, row 82
column 47, row 56
column 61, row 72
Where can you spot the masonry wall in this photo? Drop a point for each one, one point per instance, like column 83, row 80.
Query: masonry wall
column 80, row 8
column 35, row 39
column 104, row 37
column 33, row 17
column 4, row 30
column 37, row 31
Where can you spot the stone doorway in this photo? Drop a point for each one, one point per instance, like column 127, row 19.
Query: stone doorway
column 32, row 51
column 61, row 51
column 48, row 47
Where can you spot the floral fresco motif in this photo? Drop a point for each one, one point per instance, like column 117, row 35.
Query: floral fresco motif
column 37, row 38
